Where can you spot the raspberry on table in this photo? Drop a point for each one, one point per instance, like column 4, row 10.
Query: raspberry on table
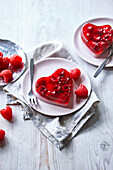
column 82, row 91
column 2, row 134
column 75, row 73
column 6, row 113
column 7, row 75
column 16, row 61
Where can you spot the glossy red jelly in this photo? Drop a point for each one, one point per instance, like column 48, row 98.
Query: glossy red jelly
column 56, row 88
column 97, row 38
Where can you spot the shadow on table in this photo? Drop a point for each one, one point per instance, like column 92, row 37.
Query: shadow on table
column 1, row 88
column 3, row 142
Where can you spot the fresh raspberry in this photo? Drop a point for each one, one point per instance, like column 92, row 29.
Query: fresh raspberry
column 16, row 61
column 6, row 113
column 1, row 65
column 2, row 134
column 82, row 91
column 5, row 62
column 1, row 54
column 1, row 59
column 7, row 75
column 75, row 73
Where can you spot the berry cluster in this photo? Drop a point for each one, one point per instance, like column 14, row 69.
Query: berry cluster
column 97, row 38
column 6, row 114
column 81, row 91
column 8, row 66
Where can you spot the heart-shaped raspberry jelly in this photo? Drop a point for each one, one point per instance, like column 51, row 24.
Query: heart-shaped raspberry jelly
column 56, row 88
column 97, row 38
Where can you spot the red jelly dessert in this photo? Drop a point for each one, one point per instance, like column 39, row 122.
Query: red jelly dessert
column 56, row 88
column 97, row 38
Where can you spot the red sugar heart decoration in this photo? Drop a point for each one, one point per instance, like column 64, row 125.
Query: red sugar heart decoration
column 97, row 38
column 56, row 88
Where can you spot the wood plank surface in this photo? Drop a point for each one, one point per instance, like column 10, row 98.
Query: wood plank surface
column 28, row 23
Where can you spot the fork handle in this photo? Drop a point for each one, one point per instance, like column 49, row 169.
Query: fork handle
column 99, row 69
column 31, row 70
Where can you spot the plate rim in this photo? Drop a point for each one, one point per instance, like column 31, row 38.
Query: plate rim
column 63, row 59
column 75, row 32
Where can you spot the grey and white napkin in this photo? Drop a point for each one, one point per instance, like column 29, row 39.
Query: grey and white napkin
column 59, row 130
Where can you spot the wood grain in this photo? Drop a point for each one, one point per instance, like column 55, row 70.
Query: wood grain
column 29, row 22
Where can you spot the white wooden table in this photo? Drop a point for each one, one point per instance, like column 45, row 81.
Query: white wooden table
column 29, row 22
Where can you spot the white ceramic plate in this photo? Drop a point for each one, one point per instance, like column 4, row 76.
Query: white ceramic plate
column 9, row 48
column 83, row 50
column 45, row 68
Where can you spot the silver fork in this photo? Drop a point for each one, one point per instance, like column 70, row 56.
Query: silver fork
column 102, row 65
column 32, row 97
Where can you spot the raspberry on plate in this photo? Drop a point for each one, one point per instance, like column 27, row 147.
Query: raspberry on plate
column 5, row 62
column 1, row 54
column 82, row 91
column 1, row 59
column 6, row 113
column 75, row 73
column 2, row 134
column 7, row 75
column 1, row 68
column 16, row 61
